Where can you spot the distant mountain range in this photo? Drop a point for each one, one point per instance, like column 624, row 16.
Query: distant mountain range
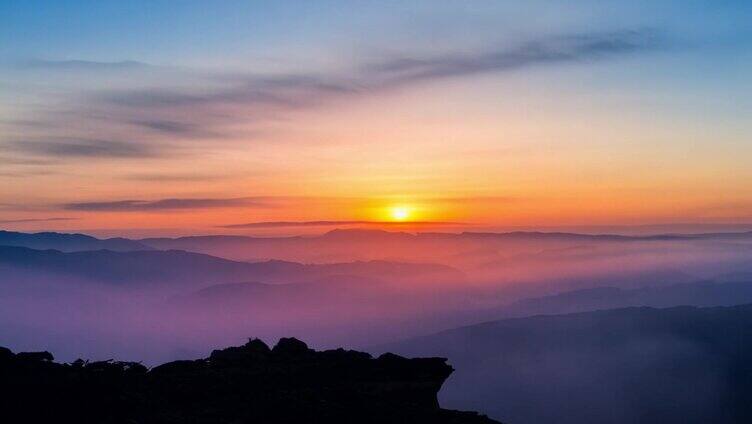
column 703, row 293
column 632, row 365
column 482, row 249
column 698, row 293
column 324, row 291
column 352, row 234
column 68, row 242
column 188, row 268
column 359, row 235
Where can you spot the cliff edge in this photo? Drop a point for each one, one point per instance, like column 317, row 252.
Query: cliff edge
column 253, row 383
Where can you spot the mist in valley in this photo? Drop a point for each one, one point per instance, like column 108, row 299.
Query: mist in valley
column 150, row 301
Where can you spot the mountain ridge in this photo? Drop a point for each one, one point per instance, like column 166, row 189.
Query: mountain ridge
column 174, row 265
column 68, row 242
column 683, row 364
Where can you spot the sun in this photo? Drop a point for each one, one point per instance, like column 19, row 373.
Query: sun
column 399, row 213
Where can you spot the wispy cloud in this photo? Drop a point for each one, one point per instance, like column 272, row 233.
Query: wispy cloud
column 298, row 90
column 547, row 51
column 166, row 126
column 83, row 148
column 476, row 199
column 175, row 177
column 158, row 115
column 289, row 91
column 28, row 173
column 166, row 204
column 6, row 160
column 82, row 65
column 29, row 220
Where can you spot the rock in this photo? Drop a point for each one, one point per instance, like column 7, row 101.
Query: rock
column 35, row 356
column 256, row 347
column 5, row 354
column 245, row 384
column 254, row 350
column 291, row 347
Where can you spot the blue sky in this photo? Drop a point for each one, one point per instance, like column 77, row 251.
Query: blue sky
column 185, row 31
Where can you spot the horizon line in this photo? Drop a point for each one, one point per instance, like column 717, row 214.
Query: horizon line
column 329, row 223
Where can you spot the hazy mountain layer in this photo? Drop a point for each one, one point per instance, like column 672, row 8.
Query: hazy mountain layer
column 633, row 365
column 68, row 242
column 188, row 268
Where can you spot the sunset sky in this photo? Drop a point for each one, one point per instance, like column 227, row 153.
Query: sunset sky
column 251, row 116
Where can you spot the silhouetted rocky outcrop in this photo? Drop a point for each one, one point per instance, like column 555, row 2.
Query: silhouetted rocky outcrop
column 247, row 384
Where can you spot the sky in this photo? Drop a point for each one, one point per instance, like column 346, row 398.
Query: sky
column 257, row 117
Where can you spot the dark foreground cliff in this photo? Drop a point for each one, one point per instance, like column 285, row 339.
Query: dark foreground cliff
column 247, row 384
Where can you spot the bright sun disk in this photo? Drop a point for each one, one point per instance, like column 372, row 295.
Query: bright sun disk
column 400, row 213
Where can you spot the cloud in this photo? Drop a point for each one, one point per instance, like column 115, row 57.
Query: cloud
column 280, row 224
column 219, row 105
column 172, row 127
column 475, row 199
column 285, row 92
column 298, row 90
column 27, row 173
column 82, row 148
column 28, row 220
column 82, row 65
column 176, row 177
column 547, row 51
column 5, row 160
column 165, row 204
column 169, row 127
